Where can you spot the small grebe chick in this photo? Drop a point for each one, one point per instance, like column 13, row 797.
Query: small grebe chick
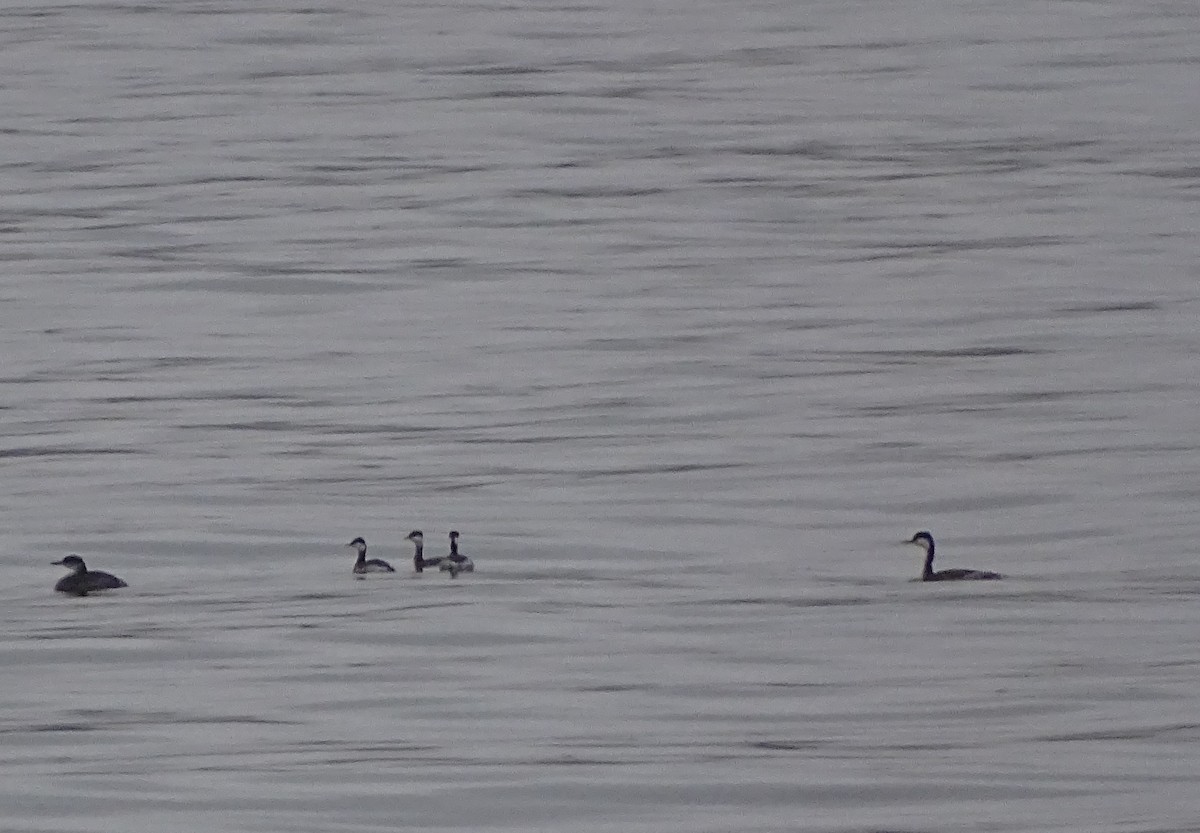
column 455, row 562
column 420, row 562
column 362, row 565
column 82, row 581
column 925, row 541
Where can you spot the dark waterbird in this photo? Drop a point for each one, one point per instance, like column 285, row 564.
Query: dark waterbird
column 362, row 565
column 82, row 581
column 420, row 562
column 925, row 541
column 455, row 562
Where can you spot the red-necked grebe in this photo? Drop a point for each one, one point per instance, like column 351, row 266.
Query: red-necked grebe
column 455, row 562
column 82, row 581
column 362, row 565
column 925, row 541
column 420, row 562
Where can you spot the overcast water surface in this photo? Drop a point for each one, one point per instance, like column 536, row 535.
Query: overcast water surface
column 685, row 314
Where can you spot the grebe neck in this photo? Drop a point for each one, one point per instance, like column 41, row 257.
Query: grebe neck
column 930, row 549
column 927, row 573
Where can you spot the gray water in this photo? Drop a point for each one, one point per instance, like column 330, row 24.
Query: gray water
column 685, row 314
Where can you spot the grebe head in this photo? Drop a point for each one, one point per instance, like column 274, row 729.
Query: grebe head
column 453, row 535
column 415, row 536
column 72, row 562
column 923, row 540
column 359, row 544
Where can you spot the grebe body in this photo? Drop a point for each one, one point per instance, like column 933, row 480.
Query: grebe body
column 82, row 581
column 365, row 565
column 456, row 562
column 420, row 562
column 925, row 541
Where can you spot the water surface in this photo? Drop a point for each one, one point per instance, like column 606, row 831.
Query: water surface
column 684, row 315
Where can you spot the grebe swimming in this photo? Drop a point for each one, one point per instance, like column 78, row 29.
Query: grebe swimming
column 82, row 581
column 420, row 562
column 925, row 541
column 362, row 565
column 455, row 563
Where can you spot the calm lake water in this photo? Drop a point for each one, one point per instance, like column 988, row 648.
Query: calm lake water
column 685, row 314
